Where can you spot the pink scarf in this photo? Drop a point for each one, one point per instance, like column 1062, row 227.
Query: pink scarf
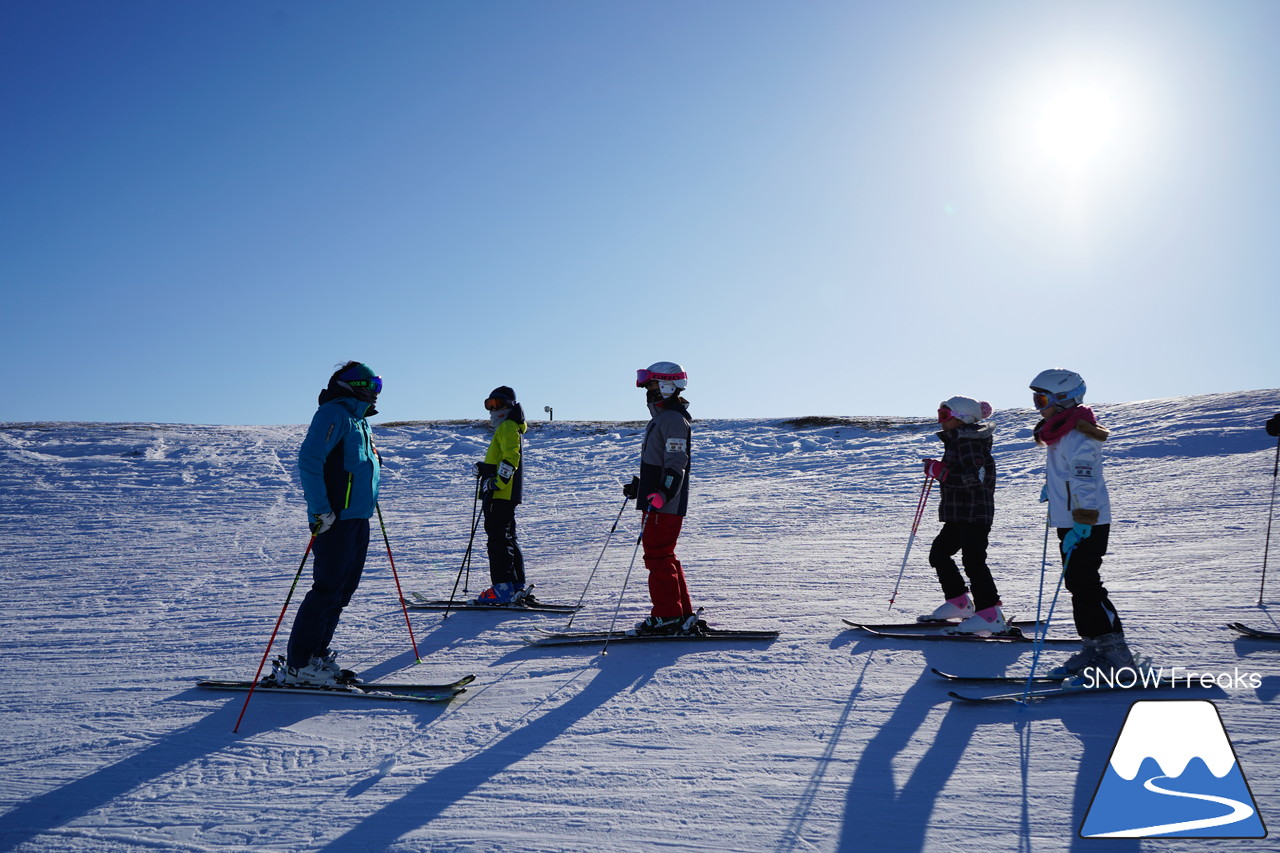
column 1052, row 429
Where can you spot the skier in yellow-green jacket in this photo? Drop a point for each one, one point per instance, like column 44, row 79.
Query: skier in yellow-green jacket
column 501, row 487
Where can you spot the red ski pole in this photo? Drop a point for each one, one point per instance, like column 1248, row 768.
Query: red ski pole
column 399, row 591
column 925, row 488
column 276, row 630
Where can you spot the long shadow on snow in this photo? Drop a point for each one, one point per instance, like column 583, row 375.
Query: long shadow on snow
column 62, row 805
column 433, row 634
column 880, row 816
column 417, row 808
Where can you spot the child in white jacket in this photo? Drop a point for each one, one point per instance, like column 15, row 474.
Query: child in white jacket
column 1080, row 509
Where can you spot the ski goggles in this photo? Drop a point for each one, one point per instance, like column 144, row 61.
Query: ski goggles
column 1041, row 399
column 493, row 404
column 945, row 414
column 373, row 386
column 644, row 377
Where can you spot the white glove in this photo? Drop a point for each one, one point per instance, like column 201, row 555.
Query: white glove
column 320, row 522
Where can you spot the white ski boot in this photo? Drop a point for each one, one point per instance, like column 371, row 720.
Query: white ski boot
column 959, row 607
column 1076, row 664
column 988, row 621
column 317, row 673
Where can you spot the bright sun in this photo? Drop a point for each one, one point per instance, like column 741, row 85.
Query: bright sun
column 1073, row 133
column 1077, row 124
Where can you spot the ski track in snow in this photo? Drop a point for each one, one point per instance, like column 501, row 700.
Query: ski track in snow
column 141, row 558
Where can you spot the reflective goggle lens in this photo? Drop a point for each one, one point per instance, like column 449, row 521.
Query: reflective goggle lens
column 1040, row 400
column 944, row 414
column 644, row 377
column 374, row 384
column 495, row 403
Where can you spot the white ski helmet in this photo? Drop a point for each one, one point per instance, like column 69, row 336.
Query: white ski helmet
column 966, row 409
column 1062, row 388
column 670, row 377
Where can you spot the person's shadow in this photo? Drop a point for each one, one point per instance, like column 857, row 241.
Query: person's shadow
column 213, row 733
column 879, row 815
column 597, row 681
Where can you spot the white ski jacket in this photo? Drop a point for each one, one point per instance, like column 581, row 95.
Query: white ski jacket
column 1073, row 478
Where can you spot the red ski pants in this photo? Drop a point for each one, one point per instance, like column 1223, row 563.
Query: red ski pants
column 667, row 589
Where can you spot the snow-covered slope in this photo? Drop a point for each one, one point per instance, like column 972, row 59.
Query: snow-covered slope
column 139, row 558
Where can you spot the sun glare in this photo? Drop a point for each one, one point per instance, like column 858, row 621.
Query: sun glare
column 1072, row 137
column 1077, row 124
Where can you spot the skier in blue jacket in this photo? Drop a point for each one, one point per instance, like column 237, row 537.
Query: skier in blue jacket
column 339, row 468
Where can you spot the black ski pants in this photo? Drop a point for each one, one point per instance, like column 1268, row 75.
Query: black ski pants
column 339, row 562
column 506, row 562
column 970, row 540
column 1090, row 605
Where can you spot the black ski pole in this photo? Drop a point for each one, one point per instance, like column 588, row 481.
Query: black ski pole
column 594, row 568
column 1267, row 548
column 466, row 557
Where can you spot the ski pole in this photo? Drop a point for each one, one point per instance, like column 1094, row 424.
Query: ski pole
column 643, row 522
column 274, row 631
column 1267, row 548
column 590, row 577
column 925, row 488
column 1044, row 562
column 1044, row 630
column 466, row 557
column 399, row 592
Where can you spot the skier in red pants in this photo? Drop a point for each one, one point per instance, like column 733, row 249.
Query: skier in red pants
column 662, row 493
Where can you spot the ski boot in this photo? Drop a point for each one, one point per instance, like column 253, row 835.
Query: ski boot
column 524, row 596
column 315, row 674
column 1078, row 662
column 985, row 622
column 499, row 593
column 660, row 625
column 1112, row 662
column 693, row 623
column 959, row 607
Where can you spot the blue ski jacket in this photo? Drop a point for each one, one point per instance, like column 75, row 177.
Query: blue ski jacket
column 337, row 462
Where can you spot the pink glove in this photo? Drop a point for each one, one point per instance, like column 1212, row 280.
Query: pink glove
column 656, row 501
column 935, row 469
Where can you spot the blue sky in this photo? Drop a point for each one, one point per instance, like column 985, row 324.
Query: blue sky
column 831, row 208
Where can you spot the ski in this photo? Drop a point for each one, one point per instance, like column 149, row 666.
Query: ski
column 929, row 623
column 1256, row 633
column 421, row 602
column 1039, row 695
column 994, row 679
column 1014, row 636
column 577, row 638
column 387, row 692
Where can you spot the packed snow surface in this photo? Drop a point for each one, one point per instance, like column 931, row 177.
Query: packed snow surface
column 141, row 558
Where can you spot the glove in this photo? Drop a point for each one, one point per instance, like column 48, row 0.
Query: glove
column 488, row 485
column 656, row 501
column 1044, row 493
column 935, row 469
column 632, row 489
column 322, row 521
column 1273, row 425
column 1078, row 533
